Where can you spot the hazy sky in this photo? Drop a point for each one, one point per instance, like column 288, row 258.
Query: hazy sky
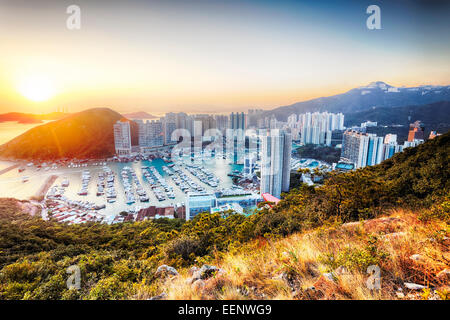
column 213, row 56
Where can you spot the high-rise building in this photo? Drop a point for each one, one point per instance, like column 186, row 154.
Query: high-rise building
column 122, row 137
column 416, row 131
column 317, row 128
column 254, row 117
column 170, row 125
column 292, row 120
column 249, row 165
column 150, row 134
column 197, row 129
column 390, row 138
column 221, row 122
column 238, row 121
column 375, row 150
column 365, row 149
column 276, row 162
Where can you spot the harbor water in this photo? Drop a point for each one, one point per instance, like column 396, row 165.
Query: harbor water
column 12, row 185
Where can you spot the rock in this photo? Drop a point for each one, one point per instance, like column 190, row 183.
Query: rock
column 416, row 257
column 165, row 270
column 444, row 275
column 328, row 276
column 192, row 270
column 198, row 284
column 162, row 296
column 204, row 273
column 414, row 286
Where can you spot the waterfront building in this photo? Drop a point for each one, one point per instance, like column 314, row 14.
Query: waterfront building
column 151, row 134
column 122, row 138
column 275, row 163
column 197, row 203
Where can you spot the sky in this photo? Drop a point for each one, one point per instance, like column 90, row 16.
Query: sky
column 212, row 56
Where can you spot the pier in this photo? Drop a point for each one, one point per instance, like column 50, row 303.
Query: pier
column 9, row 168
column 44, row 188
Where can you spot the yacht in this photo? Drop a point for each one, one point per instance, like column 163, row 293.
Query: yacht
column 65, row 182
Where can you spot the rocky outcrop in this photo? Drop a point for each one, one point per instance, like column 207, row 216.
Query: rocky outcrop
column 200, row 276
column 165, row 270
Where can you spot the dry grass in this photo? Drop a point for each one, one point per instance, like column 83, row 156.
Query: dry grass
column 292, row 268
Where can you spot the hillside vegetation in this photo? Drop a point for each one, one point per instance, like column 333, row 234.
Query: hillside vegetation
column 275, row 253
column 87, row 134
column 435, row 116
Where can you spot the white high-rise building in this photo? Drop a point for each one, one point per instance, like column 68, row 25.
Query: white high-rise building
column 150, row 134
column 390, row 138
column 170, row 125
column 365, row 149
column 317, row 127
column 276, row 162
column 292, row 120
column 122, row 138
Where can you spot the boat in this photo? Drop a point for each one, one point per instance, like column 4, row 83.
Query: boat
column 65, row 183
column 25, row 179
column 21, row 169
column 83, row 192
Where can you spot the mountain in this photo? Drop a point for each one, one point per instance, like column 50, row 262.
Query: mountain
column 31, row 118
column 139, row 115
column 87, row 134
column 376, row 94
column 435, row 116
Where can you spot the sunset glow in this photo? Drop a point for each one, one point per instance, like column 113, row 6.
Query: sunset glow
column 37, row 88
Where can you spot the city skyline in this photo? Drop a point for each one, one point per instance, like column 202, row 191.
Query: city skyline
column 213, row 56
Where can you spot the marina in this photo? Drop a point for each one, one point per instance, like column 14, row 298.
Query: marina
column 100, row 191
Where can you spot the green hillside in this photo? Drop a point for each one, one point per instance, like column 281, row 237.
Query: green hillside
column 435, row 116
column 119, row 261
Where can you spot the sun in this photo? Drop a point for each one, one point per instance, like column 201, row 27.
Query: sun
column 37, row 88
